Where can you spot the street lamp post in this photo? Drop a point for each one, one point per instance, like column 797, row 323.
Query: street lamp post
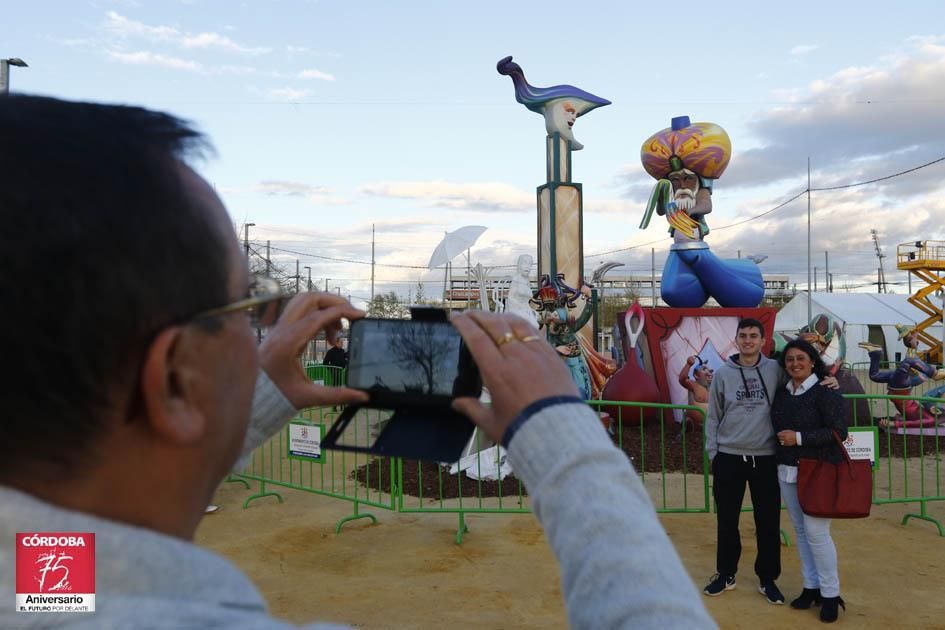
column 309, row 278
column 246, row 237
column 5, row 72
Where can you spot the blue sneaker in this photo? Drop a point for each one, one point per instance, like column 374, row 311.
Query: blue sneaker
column 719, row 584
column 771, row 591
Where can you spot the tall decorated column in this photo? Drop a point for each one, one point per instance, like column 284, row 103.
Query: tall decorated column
column 560, row 203
column 565, row 302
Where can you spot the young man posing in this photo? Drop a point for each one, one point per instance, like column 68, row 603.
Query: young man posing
column 741, row 445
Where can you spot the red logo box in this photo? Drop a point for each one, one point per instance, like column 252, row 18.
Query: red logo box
column 55, row 572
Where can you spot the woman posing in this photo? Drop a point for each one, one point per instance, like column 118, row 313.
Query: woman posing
column 805, row 415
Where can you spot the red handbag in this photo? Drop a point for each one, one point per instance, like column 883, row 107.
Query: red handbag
column 843, row 490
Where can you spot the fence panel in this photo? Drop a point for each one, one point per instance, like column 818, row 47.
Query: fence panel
column 350, row 476
column 328, row 375
column 911, row 440
column 669, row 457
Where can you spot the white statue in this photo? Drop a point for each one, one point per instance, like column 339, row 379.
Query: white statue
column 481, row 276
column 520, row 291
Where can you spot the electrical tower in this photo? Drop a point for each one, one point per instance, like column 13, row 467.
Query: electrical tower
column 881, row 277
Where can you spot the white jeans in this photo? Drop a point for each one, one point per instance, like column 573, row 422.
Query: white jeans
column 814, row 545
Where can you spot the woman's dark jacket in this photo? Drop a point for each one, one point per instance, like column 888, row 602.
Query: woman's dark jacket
column 815, row 414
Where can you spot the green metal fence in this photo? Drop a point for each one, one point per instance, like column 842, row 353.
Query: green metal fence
column 340, row 474
column 325, row 374
column 909, row 458
column 669, row 456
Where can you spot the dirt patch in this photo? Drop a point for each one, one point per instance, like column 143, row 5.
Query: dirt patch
column 426, row 480
column 656, row 446
column 909, row 445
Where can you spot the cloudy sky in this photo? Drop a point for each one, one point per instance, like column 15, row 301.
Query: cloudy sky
column 329, row 117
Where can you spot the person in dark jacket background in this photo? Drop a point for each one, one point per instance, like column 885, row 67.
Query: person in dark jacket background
column 805, row 414
column 336, row 355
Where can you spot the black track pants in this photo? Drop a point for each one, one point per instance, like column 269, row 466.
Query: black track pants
column 730, row 474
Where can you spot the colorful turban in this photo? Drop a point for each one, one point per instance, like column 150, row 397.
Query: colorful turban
column 703, row 148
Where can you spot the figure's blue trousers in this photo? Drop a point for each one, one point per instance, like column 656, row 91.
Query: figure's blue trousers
column 692, row 276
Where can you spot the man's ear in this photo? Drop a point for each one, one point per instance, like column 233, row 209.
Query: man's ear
column 168, row 389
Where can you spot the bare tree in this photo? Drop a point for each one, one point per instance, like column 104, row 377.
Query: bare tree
column 418, row 347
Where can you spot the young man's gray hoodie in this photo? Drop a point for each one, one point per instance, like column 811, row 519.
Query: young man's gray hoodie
column 739, row 418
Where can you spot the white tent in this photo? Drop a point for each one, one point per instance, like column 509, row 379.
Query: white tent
column 866, row 317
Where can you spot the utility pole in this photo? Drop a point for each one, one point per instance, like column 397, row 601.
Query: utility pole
column 827, row 272
column 815, row 279
column 246, row 237
column 372, row 262
column 298, row 276
column 881, row 278
column 309, row 278
column 268, row 260
column 653, row 274
column 809, row 306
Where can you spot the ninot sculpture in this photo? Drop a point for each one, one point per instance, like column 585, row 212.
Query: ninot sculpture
column 686, row 159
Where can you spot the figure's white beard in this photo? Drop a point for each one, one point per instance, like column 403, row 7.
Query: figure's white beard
column 685, row 198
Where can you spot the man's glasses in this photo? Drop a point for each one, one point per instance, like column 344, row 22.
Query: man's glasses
column 264, row 303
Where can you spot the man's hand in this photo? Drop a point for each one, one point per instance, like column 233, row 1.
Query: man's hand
column 516, row 372
column 304, row 317
column 830, row 382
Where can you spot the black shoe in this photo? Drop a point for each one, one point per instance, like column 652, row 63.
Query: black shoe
column 807, row 597
column 770, row 590
column 719, row 584
column 829, row 610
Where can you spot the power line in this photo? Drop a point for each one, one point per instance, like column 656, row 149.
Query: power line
column 781, row 205
column 631, row 247
column 346, row 260
column 879, row 179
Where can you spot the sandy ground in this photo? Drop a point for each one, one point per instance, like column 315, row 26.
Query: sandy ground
column 406, row 571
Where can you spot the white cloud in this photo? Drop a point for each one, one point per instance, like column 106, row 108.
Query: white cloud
column 859, row 123
column 76, row 42
column 126, row 28
column 803, row 49
column 318, row 195
column 215, row 40
column 296, row 50
column 289, row 188
column 145, row 58
column 234, row 69
column 475, row 196
column 287, row 94
column 316, row 74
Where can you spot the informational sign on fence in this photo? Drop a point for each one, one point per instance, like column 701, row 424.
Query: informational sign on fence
column 305, row 441
column 863, row 443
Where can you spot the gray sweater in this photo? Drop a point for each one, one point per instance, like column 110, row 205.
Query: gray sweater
column 618, row 567
column 738, row 421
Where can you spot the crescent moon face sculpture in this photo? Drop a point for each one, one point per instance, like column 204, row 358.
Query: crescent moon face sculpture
column 561, row 105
